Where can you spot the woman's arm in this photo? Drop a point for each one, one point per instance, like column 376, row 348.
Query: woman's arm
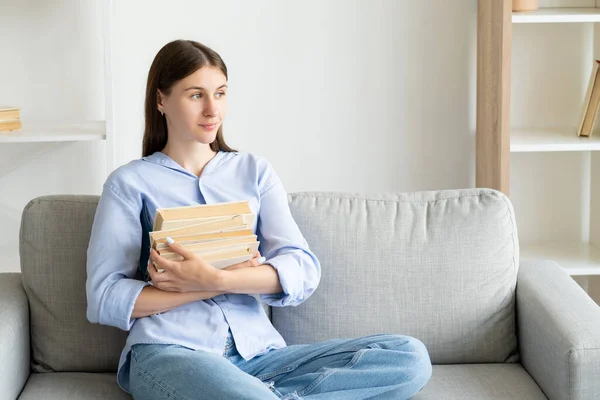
column 284, row 247
column 193, row 274
column 153, row 301
column 257, row 280
column 112, row 259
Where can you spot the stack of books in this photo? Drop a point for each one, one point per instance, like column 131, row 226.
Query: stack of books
column 10, row 119
column 221, row 234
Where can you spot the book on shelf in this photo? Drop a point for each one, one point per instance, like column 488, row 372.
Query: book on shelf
column 590, row 103
column 10, row 119
column 222, row 233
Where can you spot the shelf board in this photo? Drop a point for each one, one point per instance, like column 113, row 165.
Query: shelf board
column 55, row 132
column 551, row 139
column 576, row 258
column 563, row 14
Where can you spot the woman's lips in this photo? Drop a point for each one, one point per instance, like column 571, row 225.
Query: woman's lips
column 209, row 126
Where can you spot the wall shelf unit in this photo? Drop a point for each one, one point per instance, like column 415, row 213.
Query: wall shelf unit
column 541, row 60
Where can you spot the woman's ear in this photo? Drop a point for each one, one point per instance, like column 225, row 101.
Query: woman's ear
column 159, row 100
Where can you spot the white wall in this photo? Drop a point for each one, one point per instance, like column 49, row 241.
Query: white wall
column 346, row 95
column 340, row 95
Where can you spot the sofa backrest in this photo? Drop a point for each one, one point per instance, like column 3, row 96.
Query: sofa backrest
column 55, row 232
column 440, row 266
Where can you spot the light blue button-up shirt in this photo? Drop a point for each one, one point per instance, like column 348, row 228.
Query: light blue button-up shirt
column 119, row 250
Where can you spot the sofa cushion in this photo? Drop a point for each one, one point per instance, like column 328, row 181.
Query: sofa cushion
column 55, row 231
column 77, row 385
column 440, row 266
column 480, row 381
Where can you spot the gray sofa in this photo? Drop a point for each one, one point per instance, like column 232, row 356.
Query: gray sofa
column 442, row 266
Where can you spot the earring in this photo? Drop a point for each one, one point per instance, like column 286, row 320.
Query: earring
column 162, row 113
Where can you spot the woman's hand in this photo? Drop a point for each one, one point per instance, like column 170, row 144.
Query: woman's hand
column 254, row 262
column 191, row 274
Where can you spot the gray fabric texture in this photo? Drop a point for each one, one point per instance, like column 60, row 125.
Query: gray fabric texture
column 55, row 232
column 559, row 332
column 14, row 331
column 459, row 382
column 440, row 266
column 73, row 386
column 480, row 381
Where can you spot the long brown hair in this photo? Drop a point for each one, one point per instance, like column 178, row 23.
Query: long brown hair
column 173, row 62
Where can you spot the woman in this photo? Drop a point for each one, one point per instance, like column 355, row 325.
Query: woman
column 197, row 332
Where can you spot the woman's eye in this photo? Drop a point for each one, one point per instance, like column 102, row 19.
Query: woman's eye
column 196, row 95
column 220, row 94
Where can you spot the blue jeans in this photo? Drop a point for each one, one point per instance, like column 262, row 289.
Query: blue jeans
column 370, row 367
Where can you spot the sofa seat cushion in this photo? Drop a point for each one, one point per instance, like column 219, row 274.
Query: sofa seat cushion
column 72, row 385
column 480, row 381
column 459, row 381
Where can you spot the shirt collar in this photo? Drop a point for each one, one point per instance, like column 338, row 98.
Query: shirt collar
column 161, row 158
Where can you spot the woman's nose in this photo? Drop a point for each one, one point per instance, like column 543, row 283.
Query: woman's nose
column 210, row 110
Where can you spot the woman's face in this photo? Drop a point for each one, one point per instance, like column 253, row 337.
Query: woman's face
column 197, row 105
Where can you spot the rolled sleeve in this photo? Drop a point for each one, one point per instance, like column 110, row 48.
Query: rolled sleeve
column 118, row 303
column 112, row 261
column 286, row 249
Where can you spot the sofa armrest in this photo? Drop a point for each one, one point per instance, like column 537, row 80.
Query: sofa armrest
column 14, row 335
column 558, row 327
